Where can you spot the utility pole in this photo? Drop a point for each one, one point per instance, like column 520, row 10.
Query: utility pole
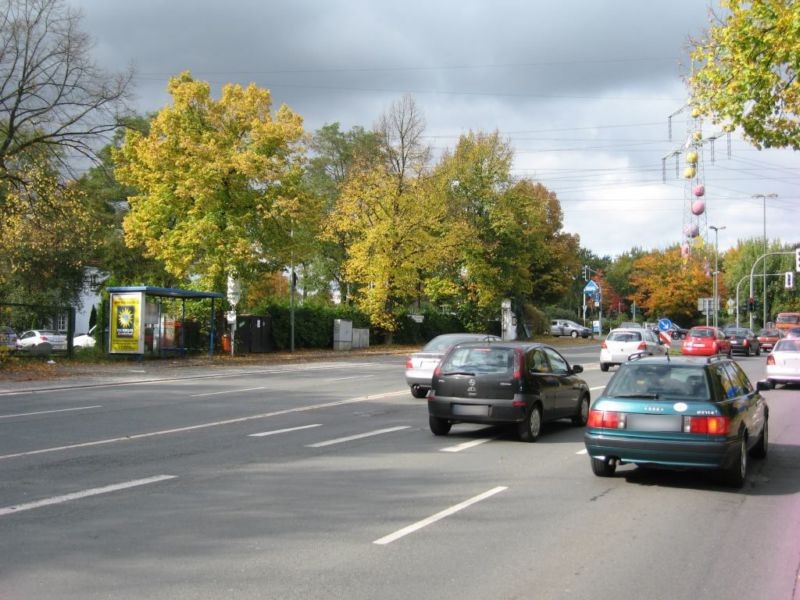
column 716, row 271
column 766, row 250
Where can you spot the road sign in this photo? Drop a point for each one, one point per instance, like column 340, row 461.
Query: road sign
column 797, row 259
column 664, row 324
column 788, row 281
column 591, row 288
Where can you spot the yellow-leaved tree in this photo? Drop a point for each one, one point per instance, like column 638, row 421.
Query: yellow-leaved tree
column 218, row 183
column 667, row 285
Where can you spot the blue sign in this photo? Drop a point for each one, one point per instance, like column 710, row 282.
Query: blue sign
column 590, row 288
column 664, row 325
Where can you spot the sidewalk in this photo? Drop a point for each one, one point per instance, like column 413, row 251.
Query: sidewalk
column 61, row 372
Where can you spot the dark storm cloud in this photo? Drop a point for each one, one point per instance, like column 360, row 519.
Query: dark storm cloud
column 581, row 88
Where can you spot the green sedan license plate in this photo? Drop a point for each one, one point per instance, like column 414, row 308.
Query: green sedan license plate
column 654, row 422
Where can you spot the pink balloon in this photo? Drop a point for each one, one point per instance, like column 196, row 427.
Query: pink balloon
column 698, row 207
column 699, row 190
column 691, row 231
column 685, row 250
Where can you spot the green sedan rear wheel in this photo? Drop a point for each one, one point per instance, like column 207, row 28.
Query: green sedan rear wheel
column 736, row 474
column 604, row 467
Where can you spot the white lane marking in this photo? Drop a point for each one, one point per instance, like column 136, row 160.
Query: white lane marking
column 47, row 412
column 465, row 445
column 350, row 377
column 438, row 516
column 599, row 387
column 277, row 431
column 228, row 392
column 584, row 451
column 10, row 510
column 140, row 436
column 350, row 438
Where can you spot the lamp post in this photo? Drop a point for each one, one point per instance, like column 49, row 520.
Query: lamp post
column 764, row 202
column 716, row 271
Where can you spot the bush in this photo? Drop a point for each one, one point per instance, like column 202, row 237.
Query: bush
column 313, row 324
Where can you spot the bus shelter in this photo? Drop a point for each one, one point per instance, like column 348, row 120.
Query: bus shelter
column 138, row 323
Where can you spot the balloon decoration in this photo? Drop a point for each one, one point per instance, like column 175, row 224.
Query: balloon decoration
column 699, row 190
column 691, row 230
column 689, row 172
column 698, row 208
column 695, row 205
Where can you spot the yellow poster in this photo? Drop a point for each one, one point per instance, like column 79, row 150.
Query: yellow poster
column 126, row 323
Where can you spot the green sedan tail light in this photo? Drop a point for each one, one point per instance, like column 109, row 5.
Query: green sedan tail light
column 606, row 419
column 706, row 425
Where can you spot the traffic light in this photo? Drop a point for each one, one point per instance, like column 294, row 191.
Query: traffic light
column 751, row 304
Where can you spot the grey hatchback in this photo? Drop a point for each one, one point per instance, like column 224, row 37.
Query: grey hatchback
column 523, row 383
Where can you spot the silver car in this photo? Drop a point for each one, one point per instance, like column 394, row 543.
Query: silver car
column 567, row 327
column 622, row 343
column 421, row 365
column 41, row 341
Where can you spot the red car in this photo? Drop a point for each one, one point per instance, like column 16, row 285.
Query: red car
column 769, row 337
column 706, row 341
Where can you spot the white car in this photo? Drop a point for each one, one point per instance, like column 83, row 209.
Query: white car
column 41, row 341
column 84, row 340
column 421, row 365
column 622, row 343
column 783, row 363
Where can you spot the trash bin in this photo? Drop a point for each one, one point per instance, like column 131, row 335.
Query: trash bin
column 226, row 342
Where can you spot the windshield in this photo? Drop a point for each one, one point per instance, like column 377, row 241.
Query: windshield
column 624, row 336
column 443, row 342
column 739, row 332
column 702, row 333
column 788, row 319
column 659, row 382
column 479, row 360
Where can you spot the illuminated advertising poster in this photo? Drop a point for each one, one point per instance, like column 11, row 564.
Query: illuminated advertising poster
column 127, row 333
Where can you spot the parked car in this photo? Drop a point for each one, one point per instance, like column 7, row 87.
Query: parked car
column 675, row 331
column 85, row 340
column 743, row 340
column 8, row 339
column 783, row 363
column 41, row 341
column 630, row 325
column 520, row 383
column 566, row 327
column 621, row 344
column 767, row 338
column 420, row 365
column 705, row 341
column 678, row 413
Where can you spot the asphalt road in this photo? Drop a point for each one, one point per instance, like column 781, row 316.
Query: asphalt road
column 323, row 481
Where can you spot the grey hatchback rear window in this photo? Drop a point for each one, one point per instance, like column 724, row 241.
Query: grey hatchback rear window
column 479, row 360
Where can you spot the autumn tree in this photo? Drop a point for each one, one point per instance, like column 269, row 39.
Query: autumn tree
column 218, row 184
column 667, row 285
column 42, row 262
column 333, row 156
column 747, row 69
column 54, row 101
column 507, row 234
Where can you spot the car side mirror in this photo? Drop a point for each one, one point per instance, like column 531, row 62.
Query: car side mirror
column 763, row 386
column 577, row 369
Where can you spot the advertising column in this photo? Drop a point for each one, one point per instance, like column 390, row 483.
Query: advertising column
column 126, row 325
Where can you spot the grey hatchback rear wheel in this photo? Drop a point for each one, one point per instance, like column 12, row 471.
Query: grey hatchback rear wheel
column 439, row 426
column 419, row 391
column 531, row 426
column 574, row 334
column 579, row 419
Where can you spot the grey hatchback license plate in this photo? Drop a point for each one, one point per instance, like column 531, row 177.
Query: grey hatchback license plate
column 471, row 410
column 654, row 422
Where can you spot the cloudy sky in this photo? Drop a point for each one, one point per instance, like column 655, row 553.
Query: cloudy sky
column 581, row 89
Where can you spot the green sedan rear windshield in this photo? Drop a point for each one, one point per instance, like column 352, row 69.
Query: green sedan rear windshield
column 659, row 382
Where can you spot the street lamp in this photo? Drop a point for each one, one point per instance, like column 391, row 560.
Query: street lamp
column 764, row 201
column 716, row 271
